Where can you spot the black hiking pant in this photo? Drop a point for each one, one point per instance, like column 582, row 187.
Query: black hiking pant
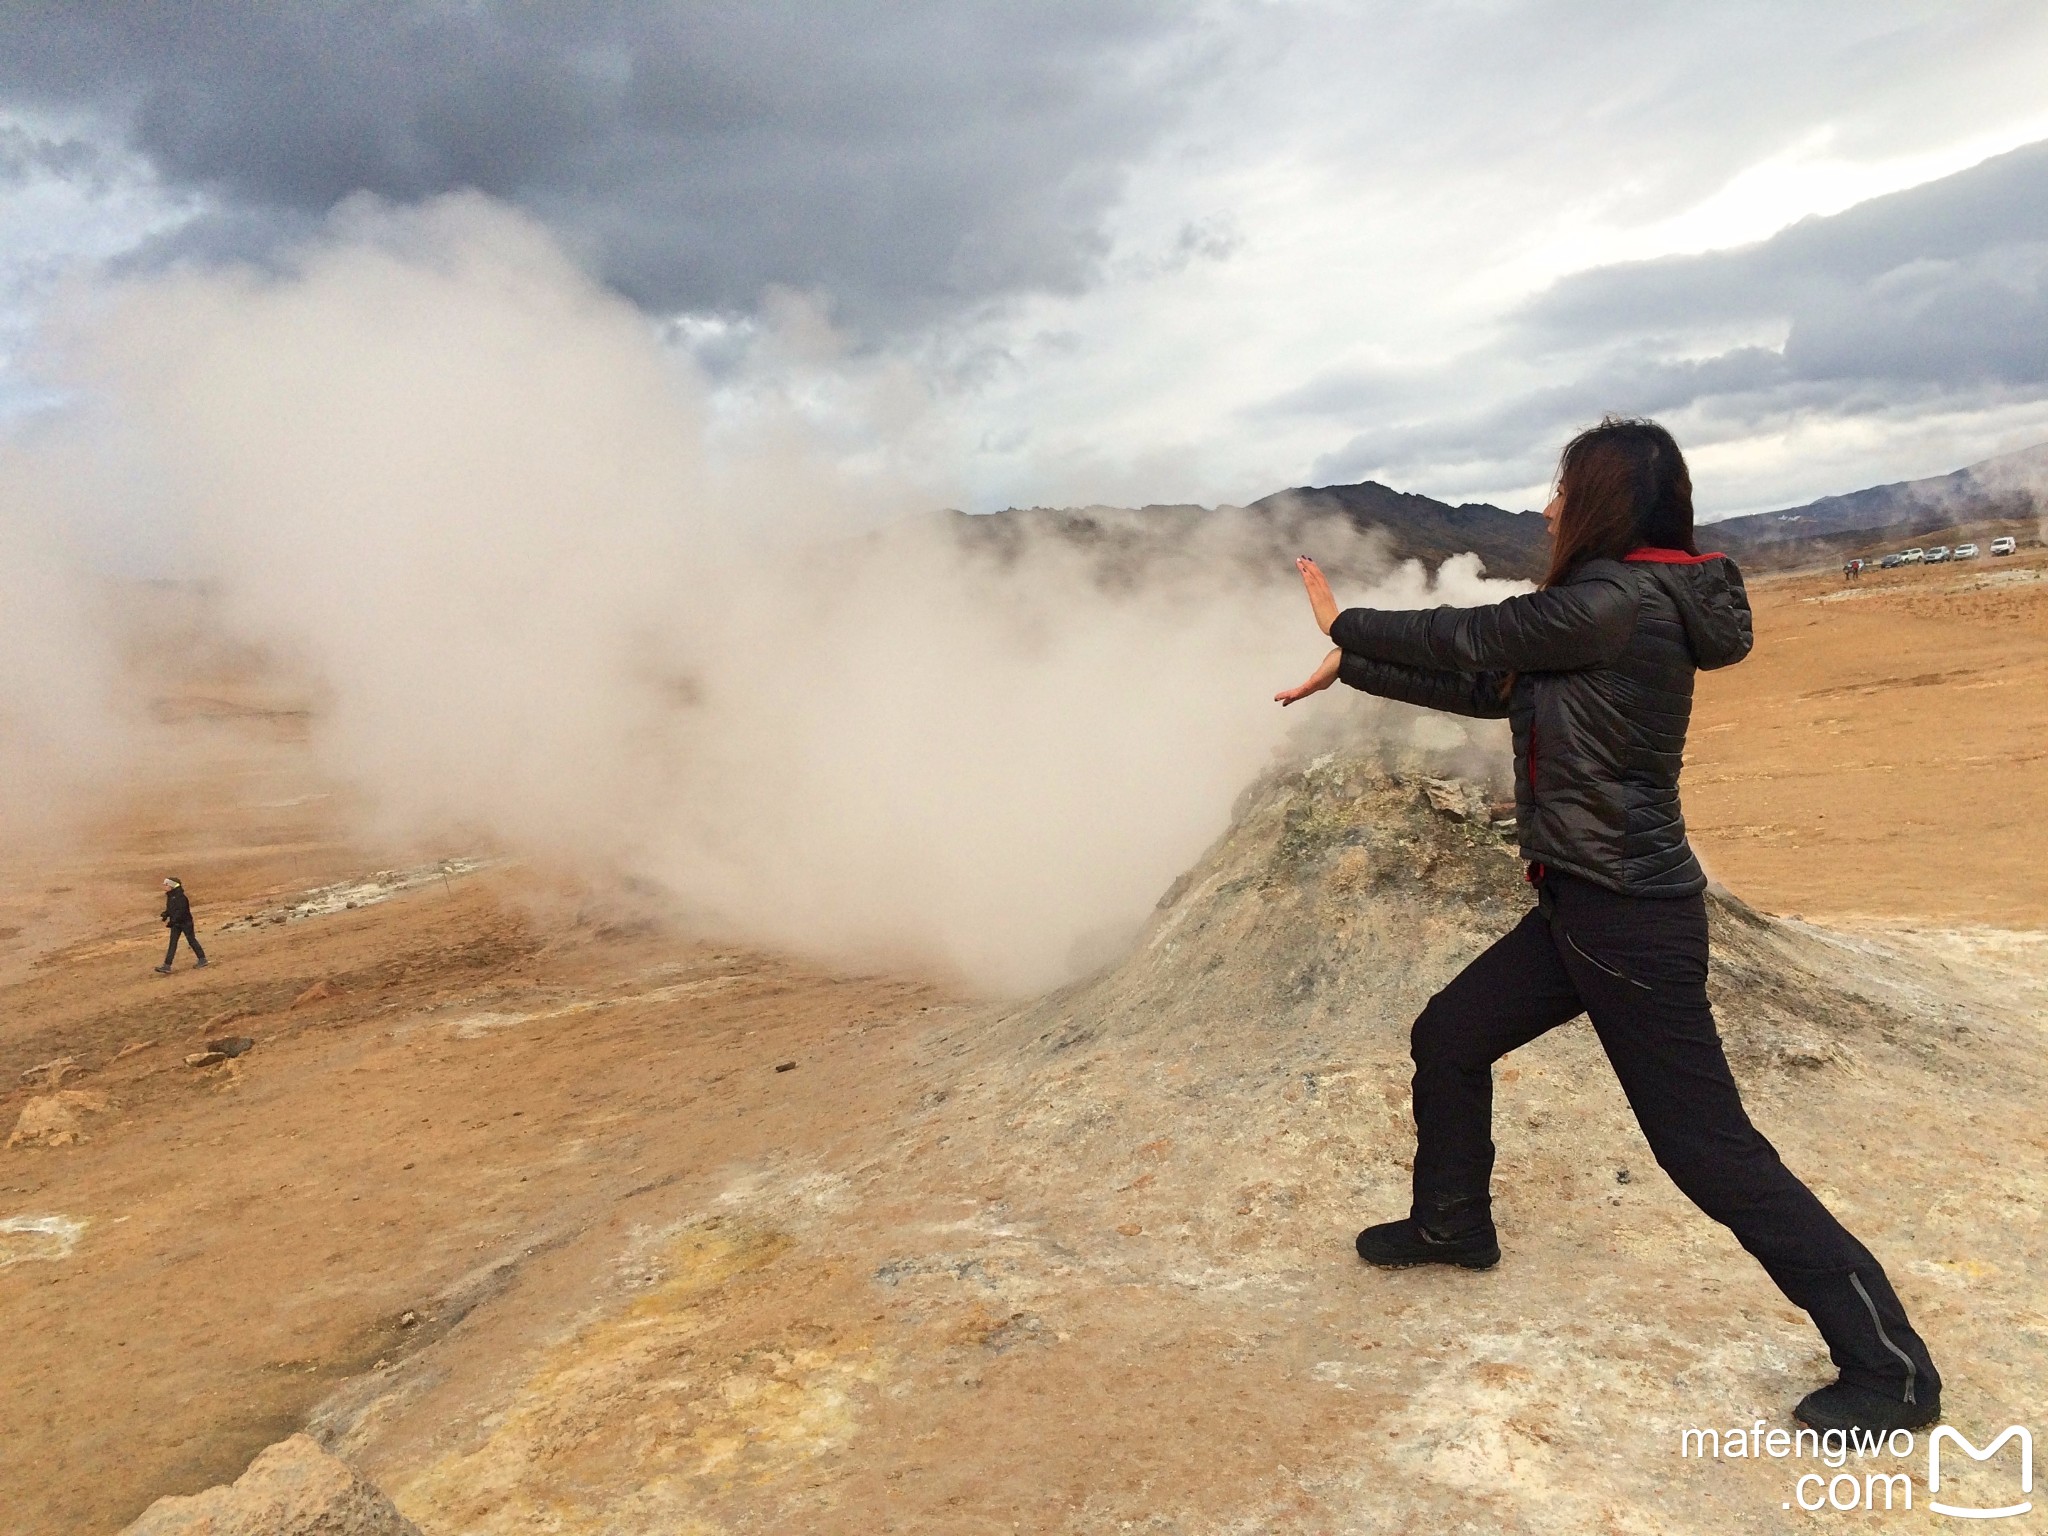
column 1638, row 966
column 191, row 936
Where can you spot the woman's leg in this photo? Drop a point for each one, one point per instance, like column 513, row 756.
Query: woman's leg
column 1505, row 998
column 1641, row 965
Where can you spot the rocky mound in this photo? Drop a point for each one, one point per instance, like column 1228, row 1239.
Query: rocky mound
column 1097, row 1274
column 293, row 1489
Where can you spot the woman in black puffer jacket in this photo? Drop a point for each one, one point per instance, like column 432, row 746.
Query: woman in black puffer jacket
column 1595, row 673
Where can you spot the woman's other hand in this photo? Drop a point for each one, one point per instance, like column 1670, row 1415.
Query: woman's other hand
column 1324, row 674
column 1320, row 600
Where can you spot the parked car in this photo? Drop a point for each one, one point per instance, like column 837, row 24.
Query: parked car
column 1937, row 554
column 1965, row 552
column 1891, row 562
column 2005, row 544
column 1912, row 556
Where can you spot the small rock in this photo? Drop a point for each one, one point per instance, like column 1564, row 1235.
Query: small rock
column 1130, row 1229
column 1804, row 1053
column 1454, row 797
column 292, row 1488
column 51, row 1072
column 408, row 1319
column 205, row 1058
column 52, row 1119
column 1621, row 1175
column 785, row 1066
column 226, row 1017
column 232, row 1045
column 320, row 991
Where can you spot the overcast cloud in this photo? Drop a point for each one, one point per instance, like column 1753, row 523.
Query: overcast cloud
column 1133, row 251
column 1931, row 299
column 898, row 157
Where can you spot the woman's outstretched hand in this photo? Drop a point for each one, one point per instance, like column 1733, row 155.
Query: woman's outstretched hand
column 1320, row 600
column 1324, row 675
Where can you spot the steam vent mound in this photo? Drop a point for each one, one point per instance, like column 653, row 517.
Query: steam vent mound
column 1094, row 1272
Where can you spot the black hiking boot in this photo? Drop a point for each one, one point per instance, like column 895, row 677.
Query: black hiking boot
column 1405, row 1243
column 163, row 970
column 1847, row 1406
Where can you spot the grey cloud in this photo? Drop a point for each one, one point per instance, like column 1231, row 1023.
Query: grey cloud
column 1342, row 392
column 1999, row 204
column 1514, row 434
column 1947, row 322
column 1935, row 297
column 894, row 157
column 25, row 153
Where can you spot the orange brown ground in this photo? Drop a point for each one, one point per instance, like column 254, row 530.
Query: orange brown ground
column 395, row 1152
column 1884, row 751
column 259, row 1228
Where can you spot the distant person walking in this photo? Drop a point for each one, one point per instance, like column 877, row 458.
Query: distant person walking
column 1595, row 673
column 178, row 918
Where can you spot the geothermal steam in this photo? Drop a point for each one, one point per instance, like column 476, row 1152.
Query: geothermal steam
column 553, row 590
column 60, row 722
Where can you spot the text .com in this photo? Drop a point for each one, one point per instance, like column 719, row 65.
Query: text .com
column 1843, row 1487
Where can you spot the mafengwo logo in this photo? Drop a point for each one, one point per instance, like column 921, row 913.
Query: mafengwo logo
column 1848, row 1481
column 1973, row 1512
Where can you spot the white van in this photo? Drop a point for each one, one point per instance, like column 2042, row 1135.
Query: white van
column 2004, row 545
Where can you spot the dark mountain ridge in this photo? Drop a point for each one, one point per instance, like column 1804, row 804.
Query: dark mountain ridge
column 1391, row 524
column 2003, row 495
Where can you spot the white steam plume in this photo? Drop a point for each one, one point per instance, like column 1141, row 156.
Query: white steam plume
column 63, row 726
column 548, row 595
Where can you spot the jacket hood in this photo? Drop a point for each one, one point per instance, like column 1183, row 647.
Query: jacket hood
column 1707, row 590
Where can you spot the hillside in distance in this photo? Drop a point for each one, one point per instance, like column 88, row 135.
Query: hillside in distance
column 1396, row 525
column 2003, row 495
column 1420, row 528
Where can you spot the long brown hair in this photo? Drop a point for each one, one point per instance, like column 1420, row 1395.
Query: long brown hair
column 1625, row 485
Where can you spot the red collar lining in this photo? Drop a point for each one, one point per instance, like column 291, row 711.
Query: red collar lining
column 1671, row 556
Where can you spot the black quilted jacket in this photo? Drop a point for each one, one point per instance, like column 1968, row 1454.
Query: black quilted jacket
column 1603, row 666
